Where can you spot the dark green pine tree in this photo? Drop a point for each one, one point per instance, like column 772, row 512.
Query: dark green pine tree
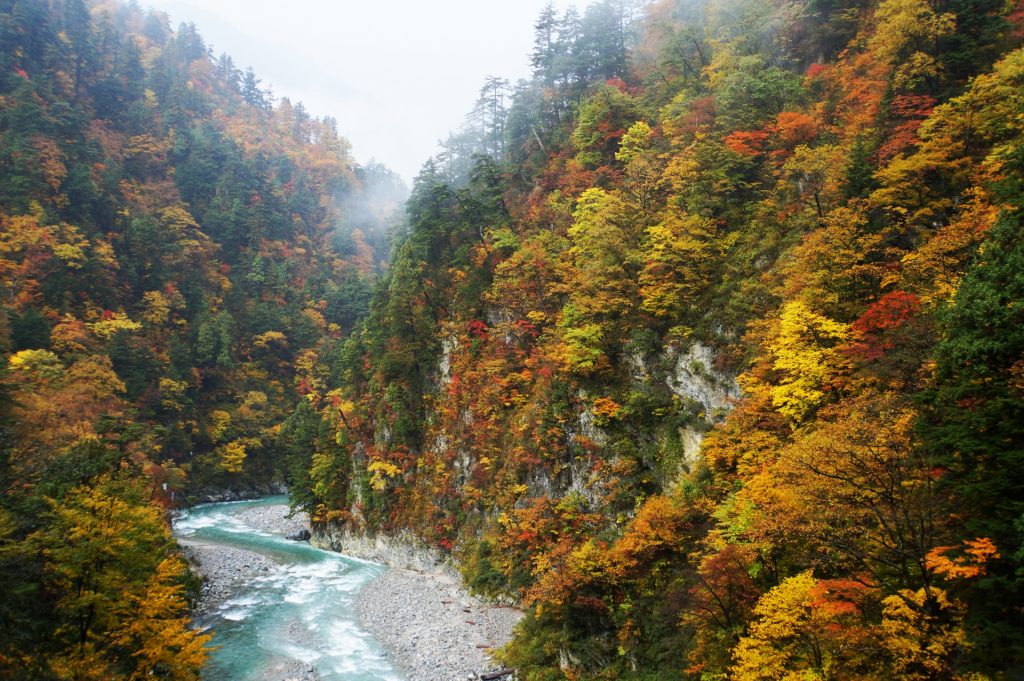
column 543, row 55
column 604, row 39
column 975, row 425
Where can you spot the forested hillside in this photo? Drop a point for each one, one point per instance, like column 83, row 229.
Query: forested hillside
column 706, row 345
column 176, row 245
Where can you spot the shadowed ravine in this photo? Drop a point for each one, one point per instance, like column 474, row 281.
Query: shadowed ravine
column 294, row 617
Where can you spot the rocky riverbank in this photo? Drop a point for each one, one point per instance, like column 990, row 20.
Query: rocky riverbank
column 274, row 519
column 434, row 629
column 224, row 571
column 396, row 550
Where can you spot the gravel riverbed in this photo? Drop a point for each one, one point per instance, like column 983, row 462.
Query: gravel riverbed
column 274, row 519
column 224, row 570
column 435, row 630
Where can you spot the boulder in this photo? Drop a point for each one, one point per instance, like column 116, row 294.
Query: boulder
column 301, row 535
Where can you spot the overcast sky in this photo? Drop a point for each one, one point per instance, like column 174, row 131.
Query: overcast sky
column 397, row 74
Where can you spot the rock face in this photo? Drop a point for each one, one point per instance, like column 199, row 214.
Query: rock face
column 210, row 495
column 694, row 378
column 400, row 550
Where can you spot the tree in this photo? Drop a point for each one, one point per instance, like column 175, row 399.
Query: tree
column 158, row 631
column 543, row 56
column 601, row 285
column 973, row 422
column 805, row 628
column 105, row 553
column 601, row 123
column 252, row 94
column 805, row 353
column 679, row 255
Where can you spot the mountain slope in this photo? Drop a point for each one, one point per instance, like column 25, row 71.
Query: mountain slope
column 779, row 234
column 173, row 245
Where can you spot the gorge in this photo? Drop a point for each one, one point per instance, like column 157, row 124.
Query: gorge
column 702, row 347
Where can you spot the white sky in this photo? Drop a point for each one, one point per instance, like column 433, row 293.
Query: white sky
column 397, row 74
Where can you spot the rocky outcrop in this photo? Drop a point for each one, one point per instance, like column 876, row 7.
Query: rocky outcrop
column 401, row 550
column 694, row 378
column 241, row 493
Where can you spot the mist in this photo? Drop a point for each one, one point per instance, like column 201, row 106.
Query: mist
column 397, row 74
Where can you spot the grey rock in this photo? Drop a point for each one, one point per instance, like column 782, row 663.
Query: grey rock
column 421, row 618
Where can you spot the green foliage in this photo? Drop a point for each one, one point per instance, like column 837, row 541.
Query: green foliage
column 975, row 416
column 708, row 353
column 602, row 121
column 749, row 92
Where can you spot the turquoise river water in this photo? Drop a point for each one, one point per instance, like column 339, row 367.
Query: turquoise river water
column 304, row 610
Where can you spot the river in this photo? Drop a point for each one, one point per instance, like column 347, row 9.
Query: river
column 304, row 609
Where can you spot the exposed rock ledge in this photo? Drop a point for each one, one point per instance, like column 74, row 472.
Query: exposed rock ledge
column 215, row 495
column 401, row 550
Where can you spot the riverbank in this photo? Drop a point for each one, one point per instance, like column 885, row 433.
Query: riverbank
column 434, row 629
column 223, row 569
column 274, row 519
column 226, row 571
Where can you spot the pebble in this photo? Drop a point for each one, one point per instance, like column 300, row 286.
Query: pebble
column 289, row 670
column 434, row 629
column 224, row 570
column 274, row 519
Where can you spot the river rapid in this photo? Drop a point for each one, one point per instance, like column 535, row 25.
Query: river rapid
column 299, row 610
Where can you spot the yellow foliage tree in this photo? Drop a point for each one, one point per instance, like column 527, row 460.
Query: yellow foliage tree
column 380, row 472
column 778, row 641
column 156, row 627
column 804, row 351
column 56, row 405
column 106, row 553
column 156, row 308
column 678, row 253
column 923, row 633
column 113, row 323
column 807, row 629
column 220, row 421
column 232, row 455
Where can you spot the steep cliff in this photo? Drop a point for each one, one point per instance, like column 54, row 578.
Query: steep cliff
column 673, row 366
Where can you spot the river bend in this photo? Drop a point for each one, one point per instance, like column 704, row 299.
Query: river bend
column 300, row 611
